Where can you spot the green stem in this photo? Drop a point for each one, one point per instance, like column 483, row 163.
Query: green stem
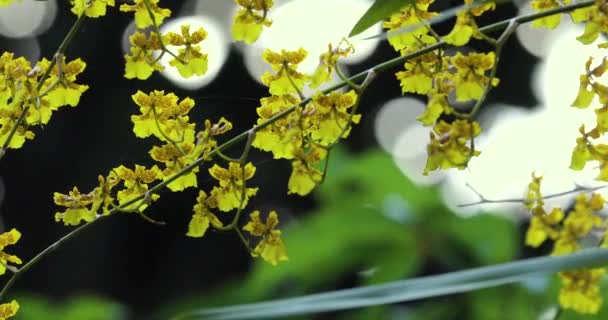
column 43, row 253
column 293, row 84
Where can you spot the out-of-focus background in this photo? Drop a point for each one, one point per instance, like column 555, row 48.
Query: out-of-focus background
column 375, row 219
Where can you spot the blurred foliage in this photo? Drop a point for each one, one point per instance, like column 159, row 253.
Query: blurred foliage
column 372, row 225
column 79, row 307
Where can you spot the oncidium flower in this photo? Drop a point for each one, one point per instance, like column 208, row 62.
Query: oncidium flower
column 77, row 207
column 270, row 247
column 331, row 116
column 142, row 16
column 7, row 239
column 596, row 18
column 328, row 63
column 91, row 8
column 465, row 26
column 579, row 223
column 470, row 78
column 8, row 310
column 206, row 139
column 17, row 91
column 304, row 176
column 420, row 72
column 287, row 79
column 202, row 217
column 136, row 184
column 162, row 116
column 251, row 19
column 141, row 63
column 448, row 146
column 189, row 61
column 176, row 156
column 581, row 290
column 284, row 136
column 60, row 85
column 411, row 15
column 232, row 192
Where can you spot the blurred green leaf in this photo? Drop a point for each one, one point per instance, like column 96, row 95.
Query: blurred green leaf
column 376, row 13
column 407, row 290
column 490, row 239
column 369, row 179
column 504, row 303
column 79, row 307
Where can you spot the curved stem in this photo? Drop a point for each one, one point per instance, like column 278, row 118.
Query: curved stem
column 43, row 253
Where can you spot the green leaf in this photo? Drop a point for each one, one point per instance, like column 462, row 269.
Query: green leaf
column 407, row 290
column 376, row 13
column 488, row 238
column 78, row 307
column 443, row 16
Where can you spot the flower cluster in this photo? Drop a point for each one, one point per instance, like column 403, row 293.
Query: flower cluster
column 580, row 288
column 586, row 150
column 305, row 135
column 250, row 19
column 270, row 246
column 465, row 26
column 8, row 310
column 596, row 17
column 437, row 75
column 30, row 94
column 147, row 49
column 163, row 116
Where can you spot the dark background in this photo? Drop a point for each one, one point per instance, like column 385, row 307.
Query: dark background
column 124, row 257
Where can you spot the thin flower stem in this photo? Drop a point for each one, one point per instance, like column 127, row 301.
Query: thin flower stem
column 62, row 47
column 325, row 167
column 42, row 254
column 234, row 223
column 157, row 30
column 293, row 84
column 243, row 239
column 368, row 79
column 247, row 134
column 483, row 200
column 344, row 78
column 162, row 132
column 513, row 24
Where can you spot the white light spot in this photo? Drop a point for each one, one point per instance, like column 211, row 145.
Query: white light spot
column 398, row 133
column 292, row 28
column 393, row 118
column 27, row 18
column 518, row 145
column 560, row 71
column 538, row 41
column 129, row 31
column 215, row 46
